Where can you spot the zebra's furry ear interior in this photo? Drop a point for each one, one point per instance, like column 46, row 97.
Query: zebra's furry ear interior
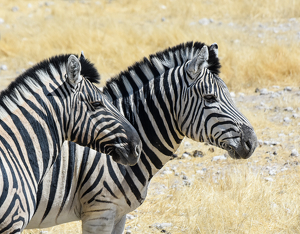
column 198, row 62
column 73, row 71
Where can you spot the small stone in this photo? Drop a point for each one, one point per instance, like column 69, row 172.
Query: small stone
column 269, row 179
column 217, row 158
column 174, row 168
column 129, row 216
column 290, row 109
column 232, row 94
column 211, row 150
column 167, row 172
column 294, row 153
column 198, row 153
column 3, row 67
column 185, row 155
column 256, row 90
column 272, row 172
column 204, row 21
column 184, row 177
column 201, row 172
column 49, row 3
column 163, row 19
column 274, row 143
column 264, row 92
column 187, row 144
column 295, row 116
column 161, row 225
column 43, row 232
column 1, row 21
column 187, row 183
column 15, row 8
column 287, row 120
column 275, row 95
column 289, row 89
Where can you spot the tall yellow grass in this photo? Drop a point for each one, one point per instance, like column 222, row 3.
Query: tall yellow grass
column 115, row 34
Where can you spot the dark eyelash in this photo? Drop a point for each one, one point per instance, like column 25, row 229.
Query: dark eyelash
column 97, row 104
column 210, row 98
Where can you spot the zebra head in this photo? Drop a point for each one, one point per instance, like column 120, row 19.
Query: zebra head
column 209, row 114
column 95, row 122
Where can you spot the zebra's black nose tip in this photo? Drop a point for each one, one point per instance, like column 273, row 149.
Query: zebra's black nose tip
column 249, row 141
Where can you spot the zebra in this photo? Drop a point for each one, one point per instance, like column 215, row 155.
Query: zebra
column 173, row 94
column 45, row 106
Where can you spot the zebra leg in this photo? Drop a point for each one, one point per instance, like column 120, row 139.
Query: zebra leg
column 98, row 221
column 119, row 227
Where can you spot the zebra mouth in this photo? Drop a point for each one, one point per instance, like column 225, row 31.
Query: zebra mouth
column 231, row 151
column 244, row 150
column 120, row 155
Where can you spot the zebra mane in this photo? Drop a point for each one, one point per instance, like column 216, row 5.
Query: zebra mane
column 141, row 73
column 36, row 76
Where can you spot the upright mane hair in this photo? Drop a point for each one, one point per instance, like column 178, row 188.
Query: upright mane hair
column 30, row 79
column 142, row 72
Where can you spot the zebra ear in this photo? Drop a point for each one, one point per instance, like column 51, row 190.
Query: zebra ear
column 198, row 62
column 82, row 55
column 214, row 47
column 73, row 71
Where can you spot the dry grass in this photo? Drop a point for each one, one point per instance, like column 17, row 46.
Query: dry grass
column 115, row 34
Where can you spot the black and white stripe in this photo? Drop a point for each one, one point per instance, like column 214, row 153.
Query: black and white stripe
column 173, row 94
column 45, row 106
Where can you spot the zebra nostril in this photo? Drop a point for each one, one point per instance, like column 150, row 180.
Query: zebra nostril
column 137, row 150
column 248, row 144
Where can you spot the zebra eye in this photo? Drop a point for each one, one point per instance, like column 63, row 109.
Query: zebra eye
column 97, row 104
column 210, row 98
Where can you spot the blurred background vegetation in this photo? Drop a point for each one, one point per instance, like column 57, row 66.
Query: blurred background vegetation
column 115, row 34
